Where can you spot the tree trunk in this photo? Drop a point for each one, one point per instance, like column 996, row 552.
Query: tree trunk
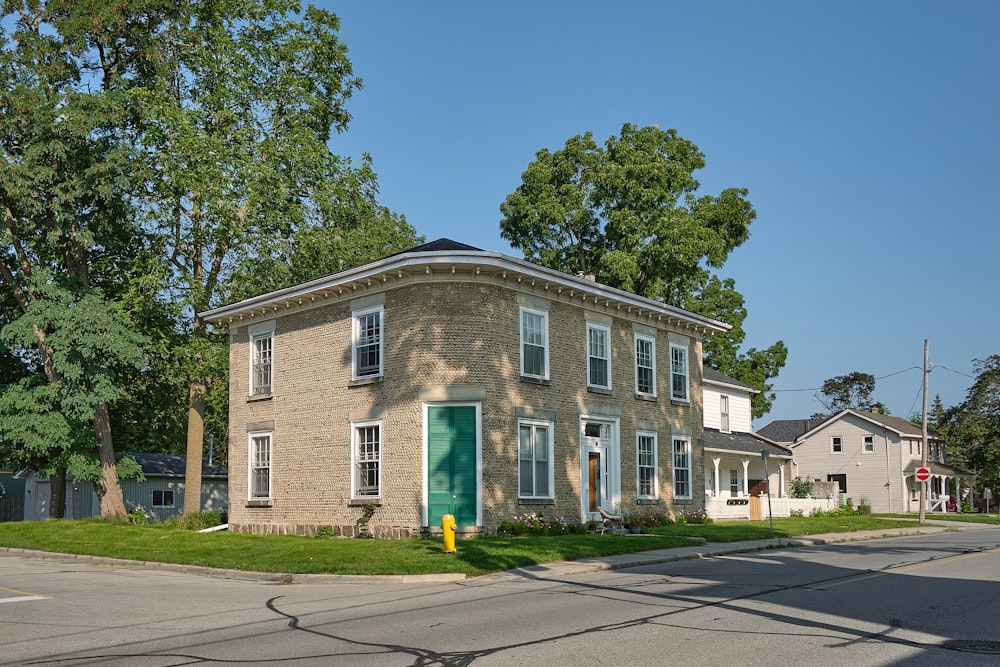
column 57, row 494
column 195, row 446
column 109, row 491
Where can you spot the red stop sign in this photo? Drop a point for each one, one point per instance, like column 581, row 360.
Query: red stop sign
column 923, row 474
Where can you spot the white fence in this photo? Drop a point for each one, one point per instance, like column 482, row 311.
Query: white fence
column 739, row 508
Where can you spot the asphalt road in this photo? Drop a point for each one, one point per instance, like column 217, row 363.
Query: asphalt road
column 928, row 599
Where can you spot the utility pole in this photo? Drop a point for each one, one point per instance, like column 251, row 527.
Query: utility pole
column 923, row 434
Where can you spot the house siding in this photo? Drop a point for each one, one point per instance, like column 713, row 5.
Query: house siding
column 739, row 409
column 867, row 474
column 449, row 337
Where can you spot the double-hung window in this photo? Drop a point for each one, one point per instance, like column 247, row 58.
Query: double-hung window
column 367, row 343
column 678, row 373
column 260, row 466
column 837, row 445
column 869, row 444
column 645, row 444
column 535, row 470
column 598, row 356
column 682, row 468
column 724, row 413
column 261, row 358
column 366, row 451
column 645, row 366
column 534, row 343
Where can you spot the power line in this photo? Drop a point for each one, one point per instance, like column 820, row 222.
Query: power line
column 882, row 377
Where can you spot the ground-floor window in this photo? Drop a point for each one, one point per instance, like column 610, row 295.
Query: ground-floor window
column 260, row 466
column 535, row 473
column 164, row 498
column 646, row 462
column 682, row 467
column 367, row 454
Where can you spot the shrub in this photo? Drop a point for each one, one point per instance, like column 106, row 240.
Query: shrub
column 693, row 517
column 327, row 531
column 201, row 520
column 801, row 488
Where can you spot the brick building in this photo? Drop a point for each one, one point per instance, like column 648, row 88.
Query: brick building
column 447, row 379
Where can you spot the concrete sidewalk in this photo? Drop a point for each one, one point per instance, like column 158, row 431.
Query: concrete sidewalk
column 709, row 550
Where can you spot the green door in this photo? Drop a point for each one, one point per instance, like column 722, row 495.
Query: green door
column 451, row 464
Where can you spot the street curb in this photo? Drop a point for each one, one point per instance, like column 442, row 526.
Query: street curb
column 560, row 568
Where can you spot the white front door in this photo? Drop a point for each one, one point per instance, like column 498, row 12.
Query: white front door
column 599, row 469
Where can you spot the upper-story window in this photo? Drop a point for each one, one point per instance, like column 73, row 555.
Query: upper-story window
column 678, row 373
column 724, row 413
column 837, row 444
column 869, row 444
column 367, row 343
column 645, row 365
column 534, row 343
column 598, row 356
column 261, row 358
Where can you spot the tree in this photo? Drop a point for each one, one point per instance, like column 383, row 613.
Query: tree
column 235, row 126
column 853, row 391
column 68, row 228
column 974, row 426
column 630, row 213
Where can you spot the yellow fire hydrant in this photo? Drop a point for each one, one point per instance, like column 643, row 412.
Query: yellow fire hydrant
column 448, row 528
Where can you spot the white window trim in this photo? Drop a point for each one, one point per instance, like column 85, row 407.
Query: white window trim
column 833, row 449
column 864, row 442
column 355, row 426
column 545, row 344
column 355, row 336
column 550, row 426
column 652, row 350
column 607, row 346
column 725, row 414
column 686, row 398
column 673, row 461
column 270, row 464
column 256, row 332
column 656, row 466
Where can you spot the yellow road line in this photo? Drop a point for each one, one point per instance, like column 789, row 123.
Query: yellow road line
column 33, row 596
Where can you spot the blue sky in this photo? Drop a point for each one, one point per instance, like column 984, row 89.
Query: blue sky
column 866, row 132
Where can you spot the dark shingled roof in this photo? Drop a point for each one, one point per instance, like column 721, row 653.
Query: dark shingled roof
column 787, row 430
column 175, row 465
column 746, row 443
column 440, row 245
column 716, row 376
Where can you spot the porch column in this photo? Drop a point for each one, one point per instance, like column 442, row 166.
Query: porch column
column 746, row 475
column 715, row 461
column 781, row 481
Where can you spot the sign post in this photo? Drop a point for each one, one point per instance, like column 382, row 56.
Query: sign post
column 767, row 478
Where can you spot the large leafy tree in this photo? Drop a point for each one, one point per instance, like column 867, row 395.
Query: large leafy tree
column 853, row 390
column 245, row 193
column 630, row 212
column 67, row 227
column 974, row 426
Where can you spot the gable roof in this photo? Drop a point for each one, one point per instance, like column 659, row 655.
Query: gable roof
column 445, row 259
column 790, row 430
column 712, row 376
column 175, row 465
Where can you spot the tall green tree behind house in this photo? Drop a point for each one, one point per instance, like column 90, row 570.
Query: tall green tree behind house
column 68, row 229
column 630, row 212
column 245, row 193
column 974, row 426
column 853, row 390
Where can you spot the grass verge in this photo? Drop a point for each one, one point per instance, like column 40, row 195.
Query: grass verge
column 307, row 555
